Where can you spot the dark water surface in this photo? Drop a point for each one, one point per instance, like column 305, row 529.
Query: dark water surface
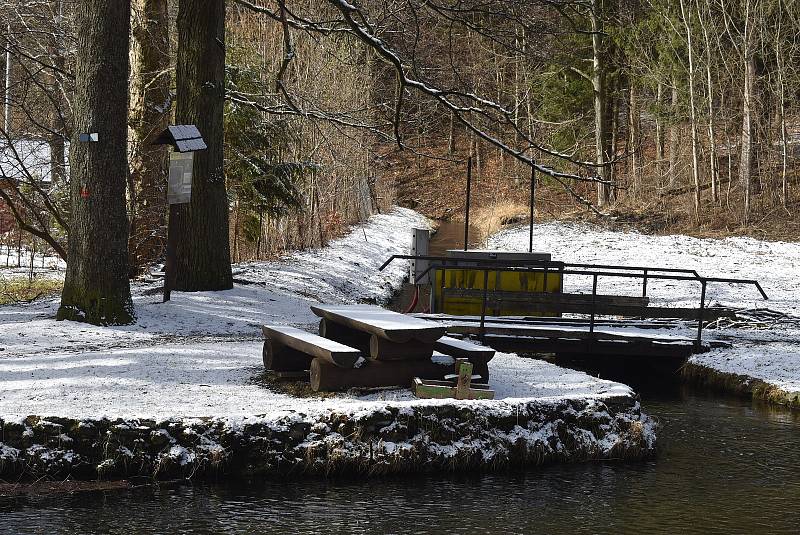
column 725, row 466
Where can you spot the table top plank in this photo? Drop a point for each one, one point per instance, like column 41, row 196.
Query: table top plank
column 393, row 326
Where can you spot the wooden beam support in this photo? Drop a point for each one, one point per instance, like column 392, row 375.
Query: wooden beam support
column 383, row 349
column 345, row 335
column 328, row 378
column 280, row 358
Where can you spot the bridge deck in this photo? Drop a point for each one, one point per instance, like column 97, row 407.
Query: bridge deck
column 573, row 336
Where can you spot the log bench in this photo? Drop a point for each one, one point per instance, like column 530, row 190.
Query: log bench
column 288, row 349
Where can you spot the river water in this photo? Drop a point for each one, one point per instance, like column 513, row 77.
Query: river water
column 725, row 465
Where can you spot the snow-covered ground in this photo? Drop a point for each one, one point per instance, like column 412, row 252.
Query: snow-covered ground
column 15, row 264
column 198, row 354
column 266, row 292
column 216, row 379
column 769, row 352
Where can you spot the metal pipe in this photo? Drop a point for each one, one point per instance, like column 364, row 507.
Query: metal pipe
column 483, row 304
column 563, row 271
column 594, row 302
column 466, row 215
column 644, row 284
column 512, row 263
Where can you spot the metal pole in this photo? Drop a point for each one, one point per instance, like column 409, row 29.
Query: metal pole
column 594, row 300
column 533, row 204
column 466, row 215
column 700, row 314
column 644, row 284
column 6, row 88
column 483, row 304
column 170, row 269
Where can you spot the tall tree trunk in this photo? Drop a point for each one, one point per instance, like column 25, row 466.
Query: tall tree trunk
column 782, row 117
column 746, row 158
column 633, row 139
column 674, row 135
column 712, row 138
column 203, row 260
column 59, row 107
column 601, row 130
column 660, row 134
column 96, row 287
column 685, row 14
column 150, row 113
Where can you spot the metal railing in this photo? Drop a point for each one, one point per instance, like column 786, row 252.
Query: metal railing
column 567, row 268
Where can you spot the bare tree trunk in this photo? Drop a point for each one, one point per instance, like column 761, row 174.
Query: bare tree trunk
column 746, row 159
column 692, row 114
column 712, row 141
column 96, row 287
column 57, row 123
column 674, row 135
column 601, row 133
column 633, row 147
column 659, row 134
column 782, row 115
column 203, row 260
column 150, row 112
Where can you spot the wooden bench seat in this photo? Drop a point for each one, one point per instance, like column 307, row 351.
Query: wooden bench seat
column 291, row 349
column 463, row 349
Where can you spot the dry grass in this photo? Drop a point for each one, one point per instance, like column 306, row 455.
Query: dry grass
column 489, row 219
column 740, row 385
column 24, row 290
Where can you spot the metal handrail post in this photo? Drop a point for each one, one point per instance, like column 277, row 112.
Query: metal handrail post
column 644, row 284
column 700, row 313
column 594, row 300
column 483, row 305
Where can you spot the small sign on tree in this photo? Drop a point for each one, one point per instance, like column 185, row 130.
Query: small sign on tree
column 179, row 186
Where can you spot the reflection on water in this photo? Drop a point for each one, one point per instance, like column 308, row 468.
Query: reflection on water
column 725, row 466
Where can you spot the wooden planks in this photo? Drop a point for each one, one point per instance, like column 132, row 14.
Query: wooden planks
column 463, row 349
column 281, row 339
column 462, row 388
column 386, row 324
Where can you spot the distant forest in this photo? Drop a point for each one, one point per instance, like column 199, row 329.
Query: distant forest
column 331, row 108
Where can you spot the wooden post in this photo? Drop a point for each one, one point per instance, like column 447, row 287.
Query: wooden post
column 464, row 368
column 170, row 269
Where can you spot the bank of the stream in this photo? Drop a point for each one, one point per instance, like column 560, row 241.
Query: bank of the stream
column 725, row 465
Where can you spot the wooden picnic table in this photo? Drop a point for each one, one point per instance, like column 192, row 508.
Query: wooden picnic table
column 386, row 324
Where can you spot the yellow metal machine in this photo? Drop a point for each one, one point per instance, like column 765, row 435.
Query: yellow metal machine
column 460, row 292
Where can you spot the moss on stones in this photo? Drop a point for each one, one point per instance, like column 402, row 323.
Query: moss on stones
column 388, row 440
